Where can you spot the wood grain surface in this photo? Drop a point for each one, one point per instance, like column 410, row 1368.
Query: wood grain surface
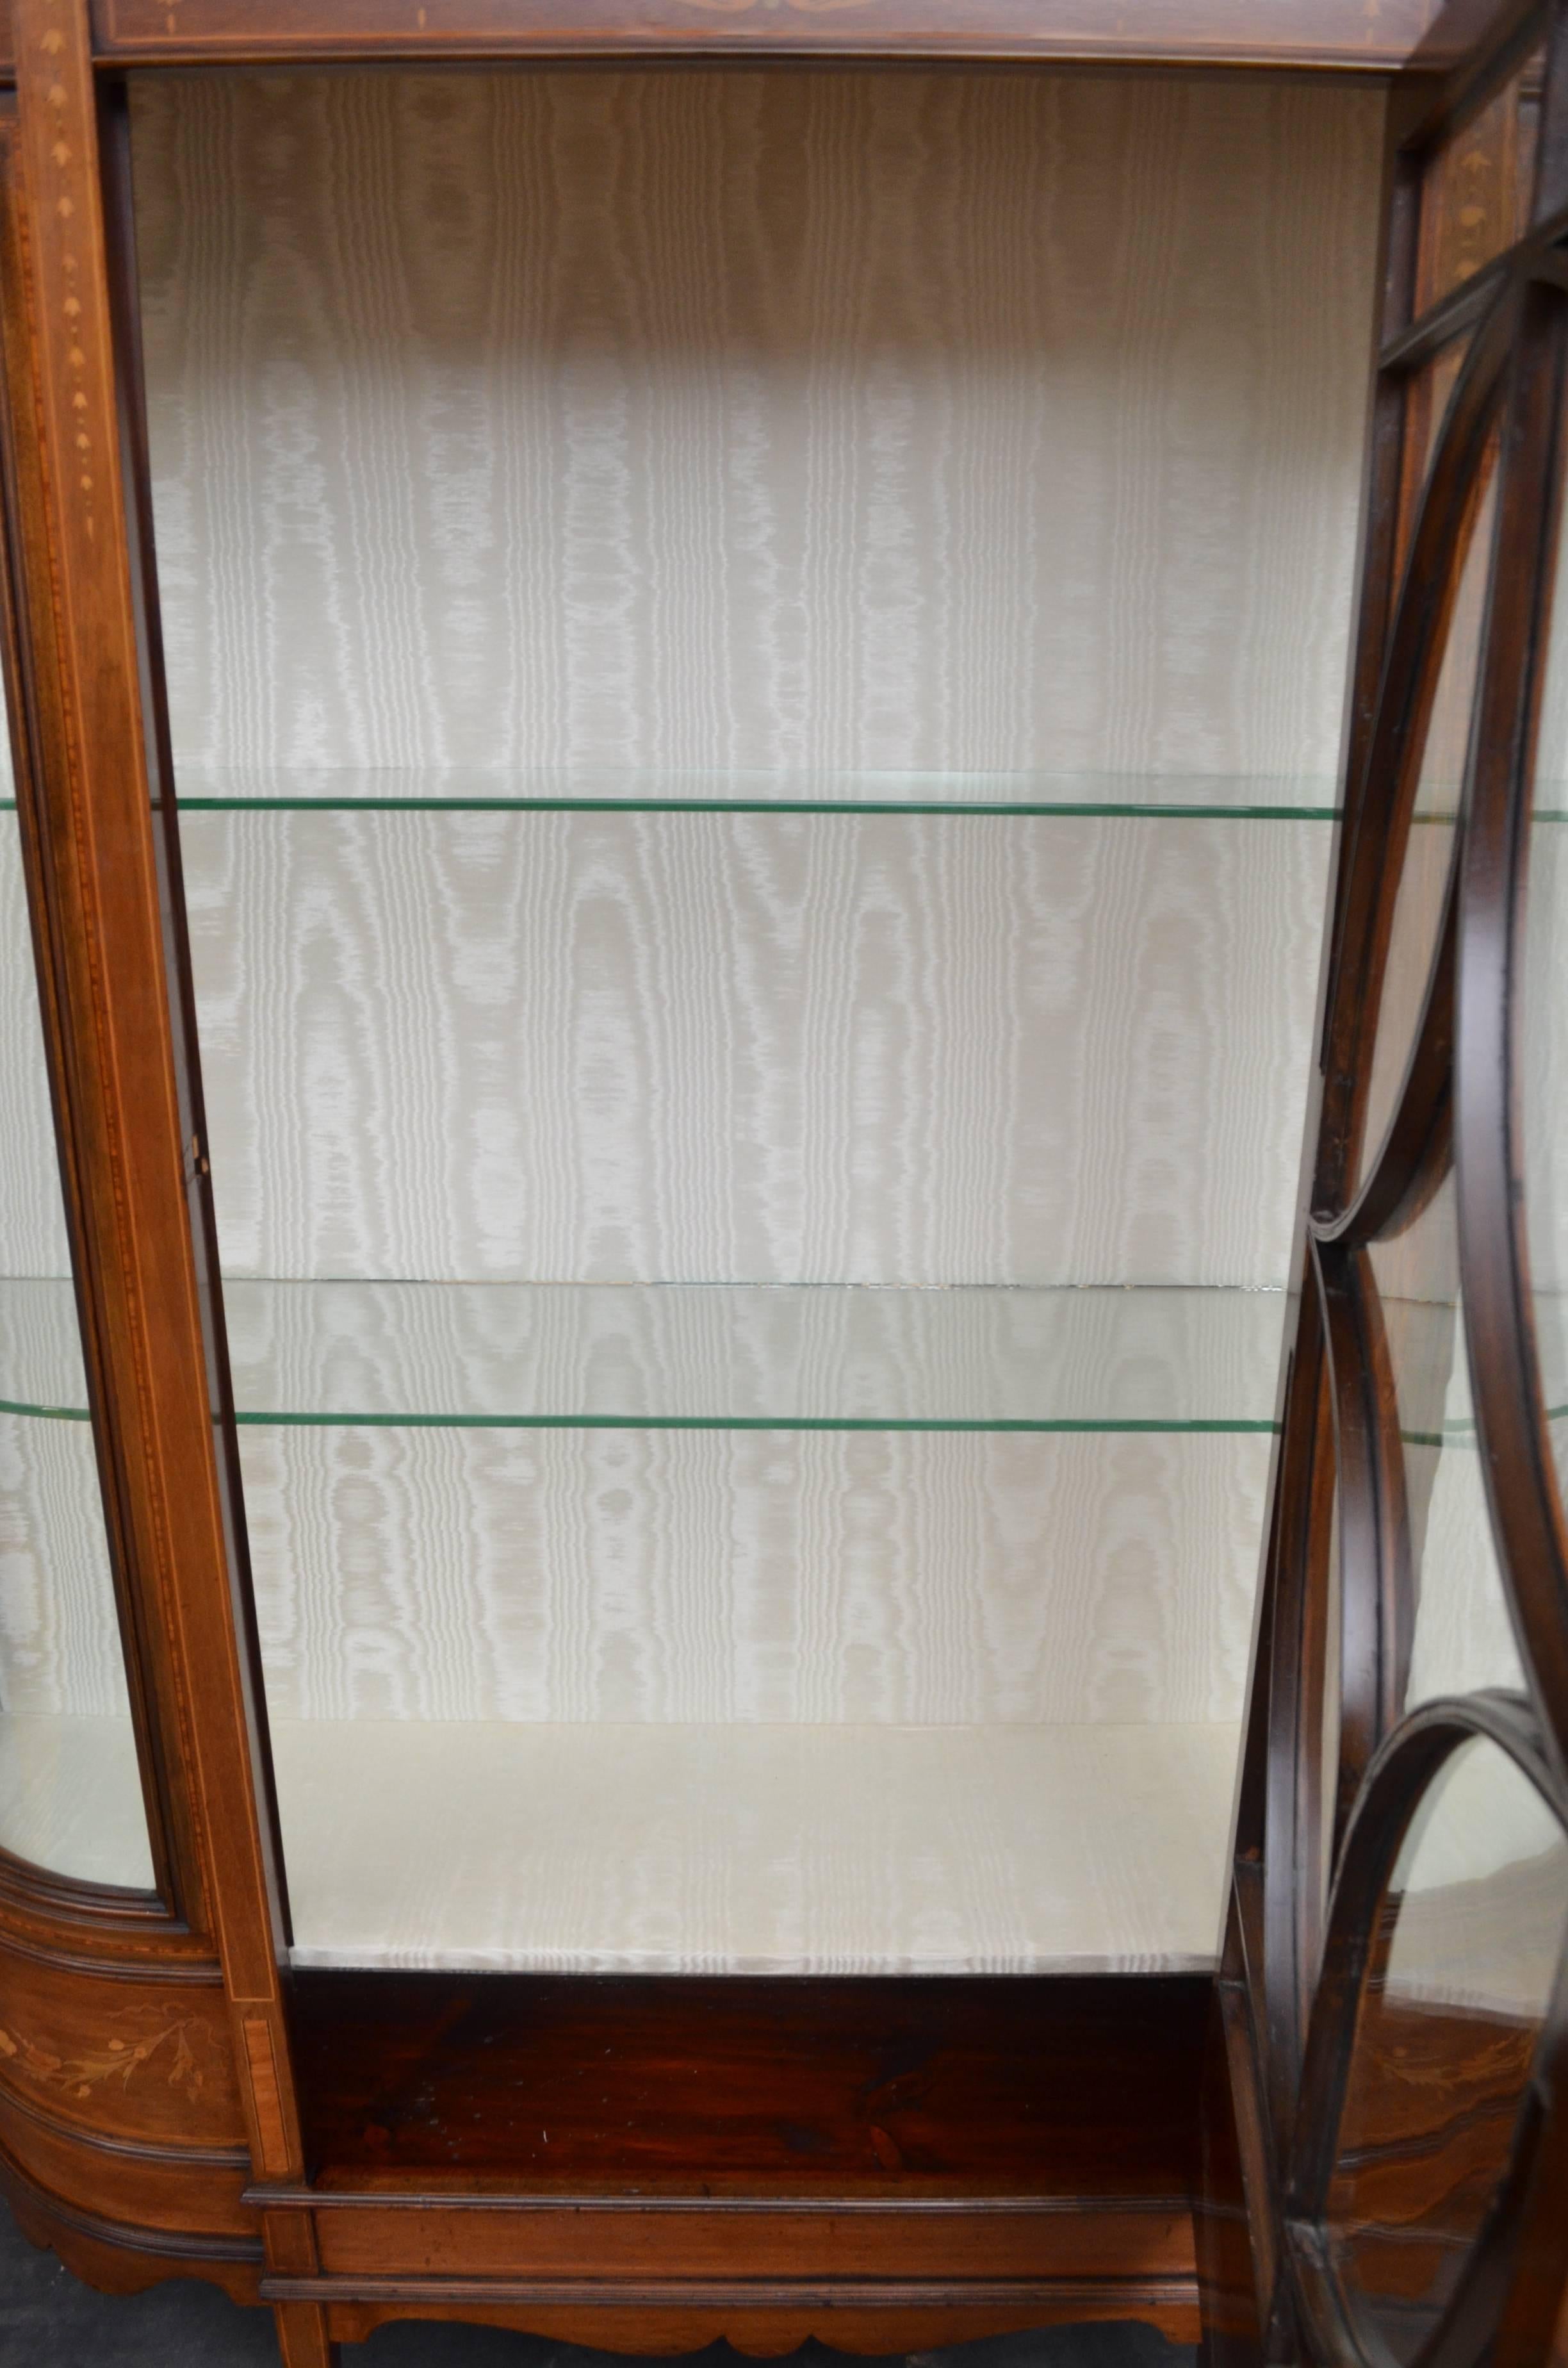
column 1331, row 33
column 647, row 2082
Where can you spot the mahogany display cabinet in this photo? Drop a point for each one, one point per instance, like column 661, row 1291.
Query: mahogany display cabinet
column 729, row 1603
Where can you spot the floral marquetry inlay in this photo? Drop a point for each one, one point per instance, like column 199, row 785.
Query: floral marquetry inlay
column 116, row 2060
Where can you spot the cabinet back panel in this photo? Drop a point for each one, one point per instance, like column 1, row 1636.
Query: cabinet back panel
column 879, row 1576
column 754, row 1048
column 925, row 420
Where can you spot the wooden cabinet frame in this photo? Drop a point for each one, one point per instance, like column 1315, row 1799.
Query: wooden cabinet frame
column 208, row 2154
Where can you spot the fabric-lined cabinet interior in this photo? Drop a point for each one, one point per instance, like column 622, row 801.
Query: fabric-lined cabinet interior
column 754, row 666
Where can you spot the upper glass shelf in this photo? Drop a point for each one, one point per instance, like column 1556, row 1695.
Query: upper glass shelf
column 1230, row 796
column 714, row 1356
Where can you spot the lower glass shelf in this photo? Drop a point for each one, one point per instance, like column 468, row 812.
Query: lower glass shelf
column 483, row 1846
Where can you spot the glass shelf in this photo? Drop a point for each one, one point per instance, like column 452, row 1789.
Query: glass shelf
column 1227, row 796
column 708, row 1356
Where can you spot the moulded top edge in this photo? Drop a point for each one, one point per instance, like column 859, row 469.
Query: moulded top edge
column 1340, row 34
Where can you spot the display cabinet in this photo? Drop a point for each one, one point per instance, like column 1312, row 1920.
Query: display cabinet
column 685, row 867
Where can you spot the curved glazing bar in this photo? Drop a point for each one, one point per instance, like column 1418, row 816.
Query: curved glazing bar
column 1332, row 1707
column 70, row 1791
column 1509, row 1018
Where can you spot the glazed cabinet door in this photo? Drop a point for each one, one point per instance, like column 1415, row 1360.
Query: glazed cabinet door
column 750, row 930
column 72, row 1808
column 1389, row 2122
column 698, row 713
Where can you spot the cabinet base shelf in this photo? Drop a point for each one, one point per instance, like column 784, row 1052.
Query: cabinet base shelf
column 756, row 1849
column 648, row 2164
column 479, row 2097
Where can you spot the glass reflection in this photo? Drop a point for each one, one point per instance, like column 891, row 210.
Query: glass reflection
column 1543, row 1040
column 70, row 1792
column 1476, row 192
column 1461, row 1974
column 1333, row 1632
column 1463, row 1637
column 1428, row 852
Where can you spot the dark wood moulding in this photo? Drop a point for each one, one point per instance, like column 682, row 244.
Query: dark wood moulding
column 1343, row 34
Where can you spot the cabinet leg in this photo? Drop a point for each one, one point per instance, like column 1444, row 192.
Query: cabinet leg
column 302, row 2336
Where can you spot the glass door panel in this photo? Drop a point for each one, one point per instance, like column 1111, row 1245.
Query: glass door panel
column 1463, row 1637
column 71, row 1794
column 1464, row 1965
column 1427, row 858
column 755, row 976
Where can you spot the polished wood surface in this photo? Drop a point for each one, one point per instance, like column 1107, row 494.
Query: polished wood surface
column 1303, row 33
column 122, row 2130
column 632, row 2157
column 645, row 2164
column 123, row 1070
column 1034, row 2086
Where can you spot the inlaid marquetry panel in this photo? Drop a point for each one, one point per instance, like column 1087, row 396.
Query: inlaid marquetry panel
column 754, row 1048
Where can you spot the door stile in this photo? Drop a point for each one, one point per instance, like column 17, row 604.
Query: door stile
column 98, row 793
column 114, row 134
column 33, row 707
